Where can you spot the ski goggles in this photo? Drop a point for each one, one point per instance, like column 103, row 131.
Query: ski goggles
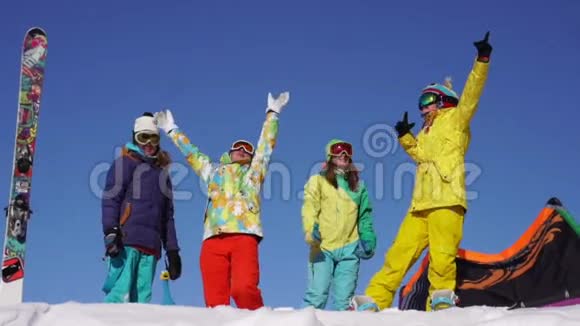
column 143, row 138
column 243, row 145
column 428, row 99
column 340, row 148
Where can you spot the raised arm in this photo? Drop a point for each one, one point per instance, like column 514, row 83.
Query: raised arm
column 199, row 162
column 263, row 154
column 411, row 146
column 407, row 140
column 267, row 141
column 475, row 83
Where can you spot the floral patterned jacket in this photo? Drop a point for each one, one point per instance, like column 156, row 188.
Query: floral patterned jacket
column 233, row 188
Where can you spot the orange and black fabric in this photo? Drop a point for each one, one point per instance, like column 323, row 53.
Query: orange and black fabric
column 540, row 269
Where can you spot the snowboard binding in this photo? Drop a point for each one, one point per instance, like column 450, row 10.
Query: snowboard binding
column 12, row 270
column 24, row 160
column 18, row 214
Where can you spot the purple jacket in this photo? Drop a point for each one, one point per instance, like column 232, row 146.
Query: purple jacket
column 138, row 197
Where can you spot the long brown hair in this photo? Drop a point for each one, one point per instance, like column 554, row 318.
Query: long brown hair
column 163, row 159
column 352, row 175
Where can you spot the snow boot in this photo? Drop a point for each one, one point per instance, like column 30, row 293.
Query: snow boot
column 443, row 299
column 363, row 303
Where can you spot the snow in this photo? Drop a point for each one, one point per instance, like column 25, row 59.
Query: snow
column 130, row 314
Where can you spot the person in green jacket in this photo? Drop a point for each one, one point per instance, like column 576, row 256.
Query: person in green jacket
column 338, row 226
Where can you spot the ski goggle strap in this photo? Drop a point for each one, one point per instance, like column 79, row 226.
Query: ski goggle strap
column 243, row 145
column 339, row 148
column 143, row 138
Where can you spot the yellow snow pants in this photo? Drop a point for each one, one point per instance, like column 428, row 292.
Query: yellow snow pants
column 441, row 229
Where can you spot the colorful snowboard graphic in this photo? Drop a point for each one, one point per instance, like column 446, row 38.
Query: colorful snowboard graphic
column 18, row 211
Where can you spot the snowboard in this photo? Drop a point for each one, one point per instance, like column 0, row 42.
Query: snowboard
column 18, row 212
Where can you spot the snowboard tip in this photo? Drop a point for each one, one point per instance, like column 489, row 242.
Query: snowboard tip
column 36, row 30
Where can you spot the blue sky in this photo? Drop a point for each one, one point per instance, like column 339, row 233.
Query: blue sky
column 350, row 66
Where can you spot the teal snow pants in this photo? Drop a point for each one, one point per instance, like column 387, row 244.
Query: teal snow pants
column 339, row 269
column 130, row 277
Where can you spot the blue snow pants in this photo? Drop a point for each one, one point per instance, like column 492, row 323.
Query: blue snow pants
column 338, row 268
column 130, row 277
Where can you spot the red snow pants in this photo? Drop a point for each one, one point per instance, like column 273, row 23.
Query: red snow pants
column 230, row 268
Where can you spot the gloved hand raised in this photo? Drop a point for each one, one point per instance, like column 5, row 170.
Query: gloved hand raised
column 483, row 49
column 174, row 264
column 113, row 241
column 165, row 121
column 277, row 104
column 403, row 126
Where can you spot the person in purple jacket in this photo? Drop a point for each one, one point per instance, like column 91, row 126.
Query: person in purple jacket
column 137, row 217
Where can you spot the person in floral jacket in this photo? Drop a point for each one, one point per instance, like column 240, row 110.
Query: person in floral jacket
column 232, row 227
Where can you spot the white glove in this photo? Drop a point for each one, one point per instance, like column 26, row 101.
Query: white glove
column 277, row 104
column 165, row 121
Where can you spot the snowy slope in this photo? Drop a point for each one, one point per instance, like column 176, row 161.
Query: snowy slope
column 73, row 314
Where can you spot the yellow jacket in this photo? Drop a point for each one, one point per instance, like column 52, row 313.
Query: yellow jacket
column 440, row 152
column 338, row 212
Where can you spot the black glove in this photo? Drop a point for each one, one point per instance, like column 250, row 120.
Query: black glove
column 113, row 241
column 174, row 265
column 403, row 127
column 483, row 48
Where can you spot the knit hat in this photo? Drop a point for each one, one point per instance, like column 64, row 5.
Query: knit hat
column 145, row 123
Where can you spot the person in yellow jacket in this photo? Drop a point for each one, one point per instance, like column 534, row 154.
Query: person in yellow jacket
column 337, row 222
column 435, row 216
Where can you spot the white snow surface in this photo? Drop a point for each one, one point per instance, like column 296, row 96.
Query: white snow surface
column 131, row 314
